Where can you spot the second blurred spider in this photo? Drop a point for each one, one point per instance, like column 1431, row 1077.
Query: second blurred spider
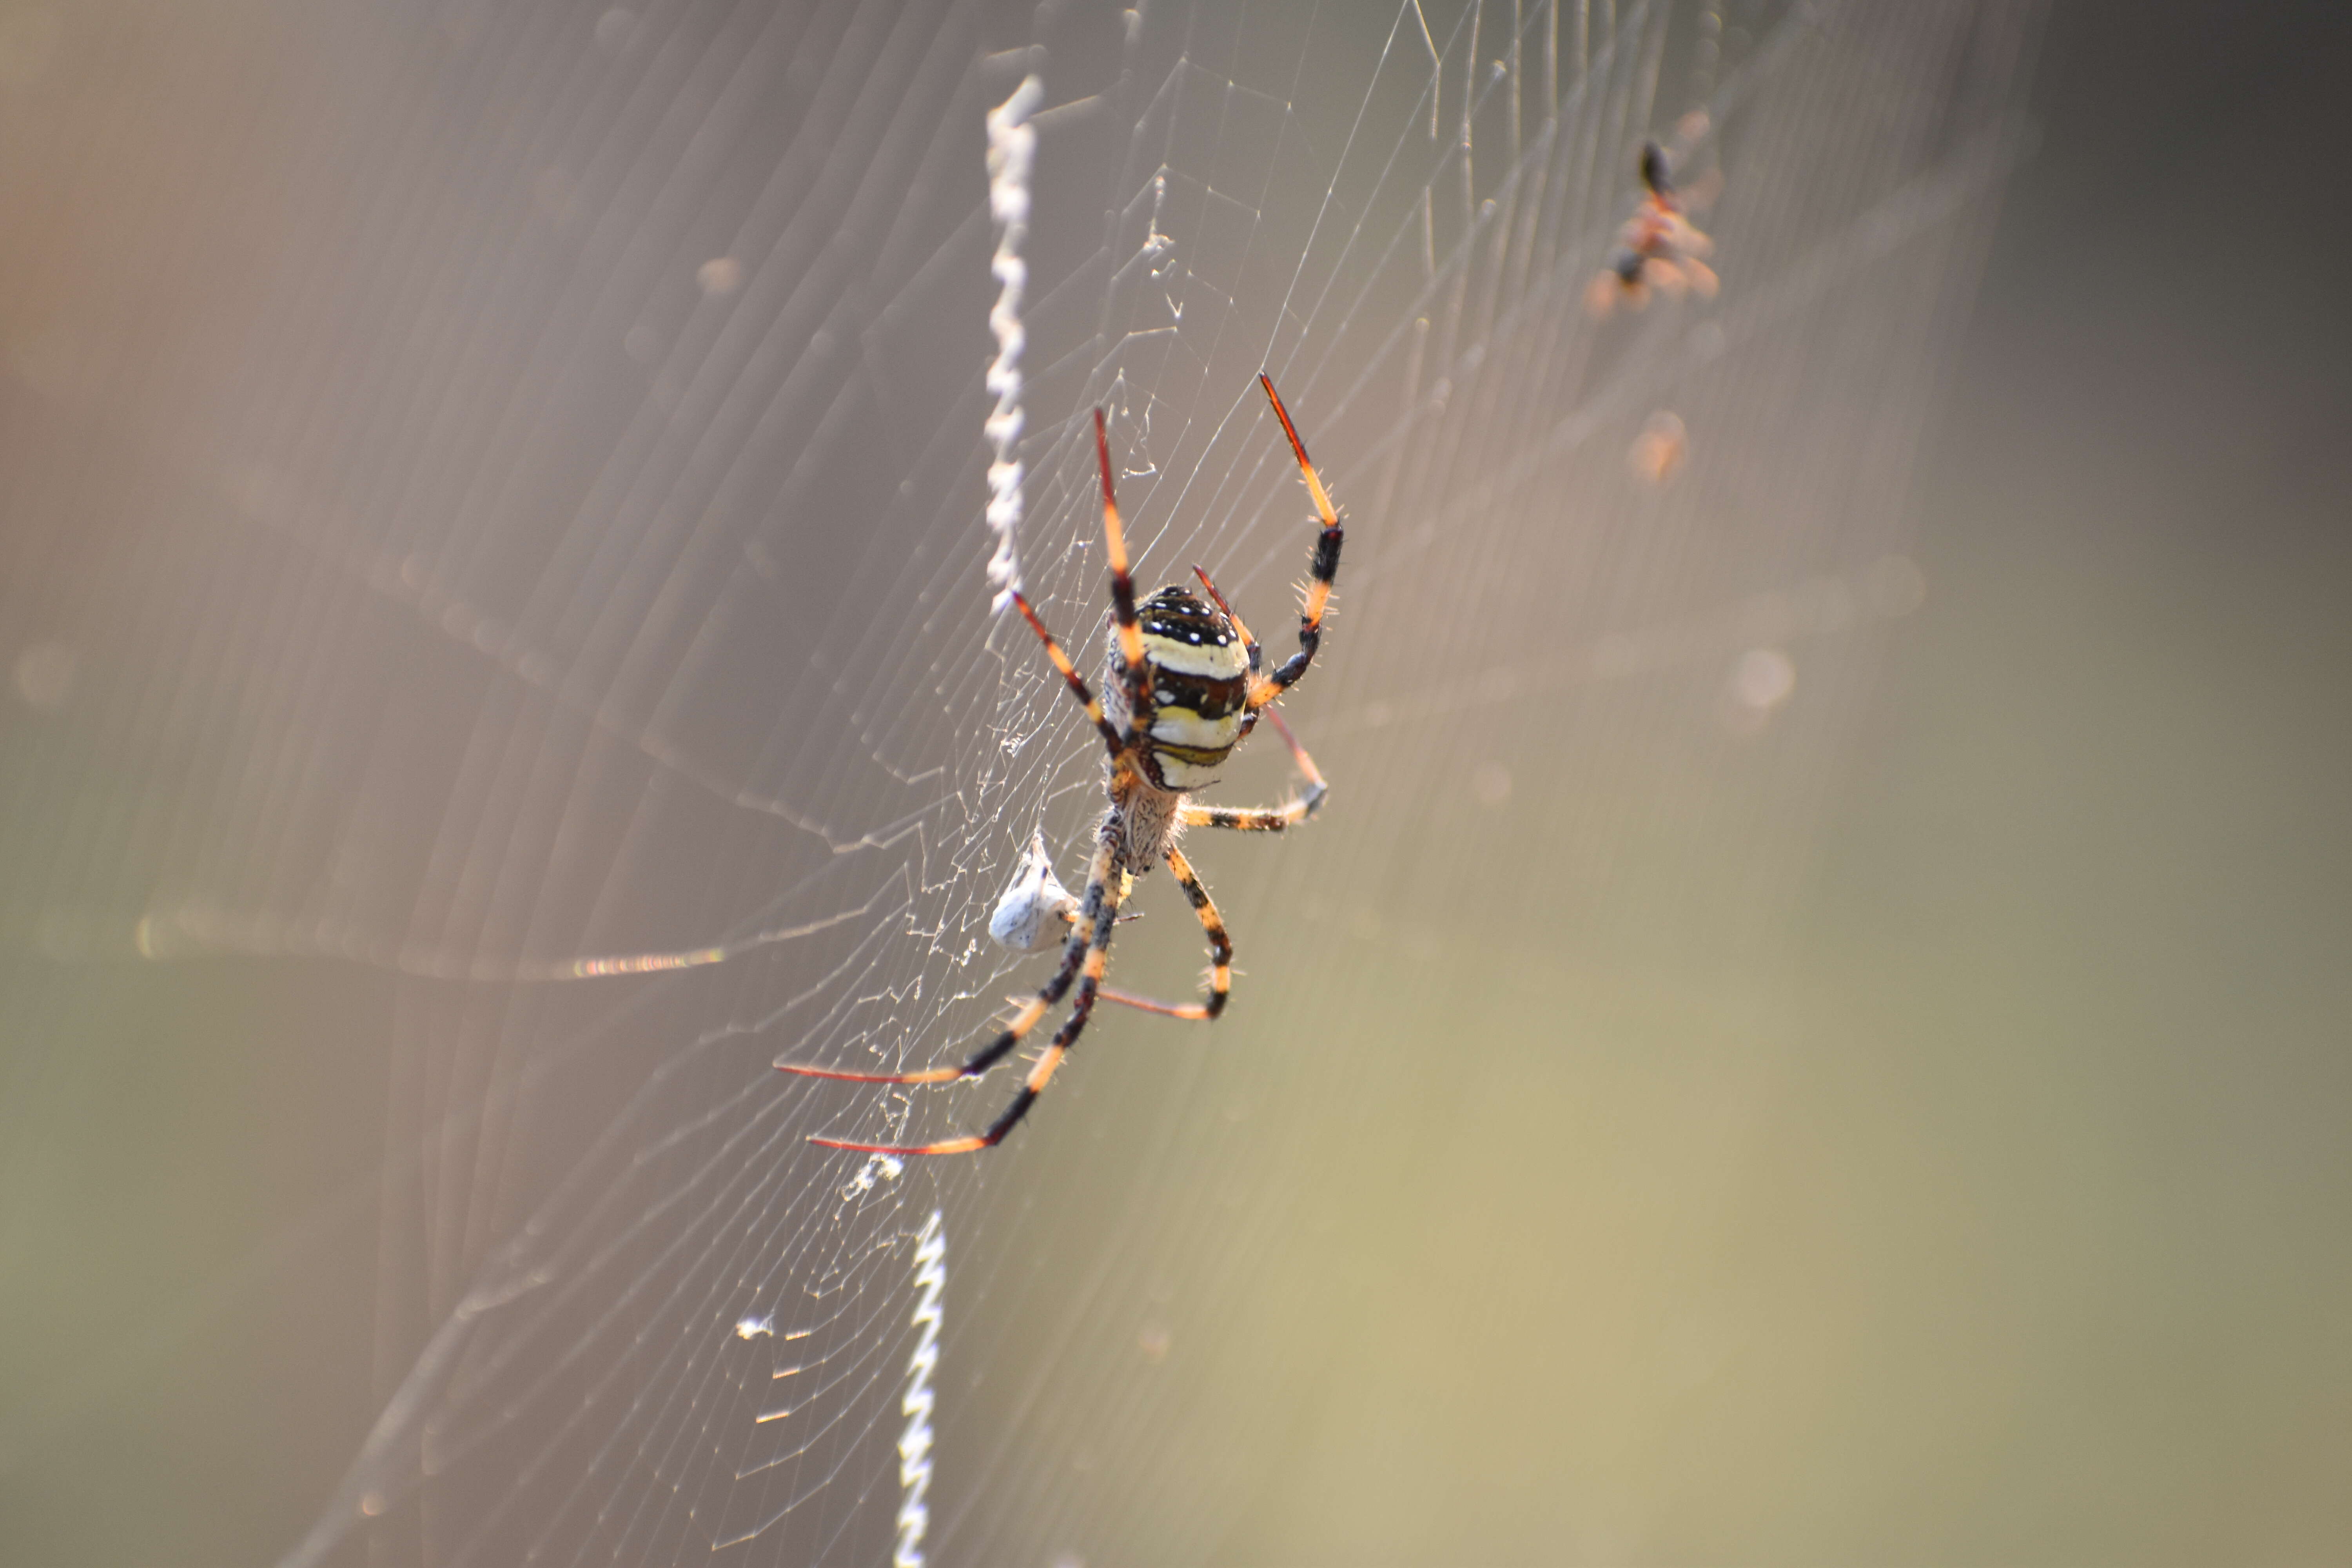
column 1658, row 248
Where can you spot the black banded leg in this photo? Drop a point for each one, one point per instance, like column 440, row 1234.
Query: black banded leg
column 1137, row 674
column 1322, row 570
column 1042, row 1072
column 1078, row 687
column 1249, row 643
column 1074, row 953
column 1266, row 819
column 1097, row 949
column 1220, row 952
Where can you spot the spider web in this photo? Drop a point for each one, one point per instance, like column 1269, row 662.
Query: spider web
column 557, row 583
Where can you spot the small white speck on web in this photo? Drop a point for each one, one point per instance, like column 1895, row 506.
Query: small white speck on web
column 877, row 1168
column 1033, row 904
column 756, row 1328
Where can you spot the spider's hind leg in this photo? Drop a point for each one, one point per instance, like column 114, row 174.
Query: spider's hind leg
column 1085, row 957
column 1074, row 955
column 1266, row 819
column 1220, row 952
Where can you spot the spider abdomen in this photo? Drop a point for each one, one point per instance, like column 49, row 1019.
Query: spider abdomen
column 1199, row 686
column 1194, row 726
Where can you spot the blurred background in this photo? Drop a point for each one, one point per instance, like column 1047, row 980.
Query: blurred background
column 1813, row 1028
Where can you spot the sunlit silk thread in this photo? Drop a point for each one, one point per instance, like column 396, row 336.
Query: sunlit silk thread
column 1012, row 150
column 915, row 1443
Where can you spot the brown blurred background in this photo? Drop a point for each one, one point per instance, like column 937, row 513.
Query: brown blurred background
column 1998, row 1211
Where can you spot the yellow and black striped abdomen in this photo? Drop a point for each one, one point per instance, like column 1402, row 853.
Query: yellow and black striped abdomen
column 1200, row 686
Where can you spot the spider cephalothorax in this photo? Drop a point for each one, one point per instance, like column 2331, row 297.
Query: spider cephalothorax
column 1182, row 688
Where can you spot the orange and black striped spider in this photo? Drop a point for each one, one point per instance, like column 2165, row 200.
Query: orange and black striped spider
column 1658, row 249
column 1182, row 688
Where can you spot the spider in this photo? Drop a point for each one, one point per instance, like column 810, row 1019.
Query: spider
column 1182, row 688
column 1658, row 248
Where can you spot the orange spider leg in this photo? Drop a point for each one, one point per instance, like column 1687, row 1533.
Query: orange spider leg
column 1074, row 955
column 1266, row 819
column 1077, row 682
column 1220, row 952
column 1321, row 571
column 1096, row 949
column 1138, row 674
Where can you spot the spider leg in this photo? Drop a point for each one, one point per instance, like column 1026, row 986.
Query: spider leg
column 1135, row 673
column 1220, row 952
column 1103, row 900
column 1266, row 819
column 1074, row 953
column 1249, row 643
column 1078, row 686
column 1321, row 572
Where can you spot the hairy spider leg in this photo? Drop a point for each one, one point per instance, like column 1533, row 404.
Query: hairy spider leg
column 1321, row 571
column 1104, row 896
column 1220, row 952
column 1074, row 953
column 1266, row 819
column 1078, row 687
column 1249, row 643
column 1137, row 673
column 1295, row 811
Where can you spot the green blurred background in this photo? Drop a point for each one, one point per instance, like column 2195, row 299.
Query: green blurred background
column 2000, row 1212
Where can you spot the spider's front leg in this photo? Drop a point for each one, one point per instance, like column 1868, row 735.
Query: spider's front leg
column 1135, row 671
column 1322, row 569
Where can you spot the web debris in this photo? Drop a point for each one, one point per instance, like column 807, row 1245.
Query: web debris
column 1035, row 899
